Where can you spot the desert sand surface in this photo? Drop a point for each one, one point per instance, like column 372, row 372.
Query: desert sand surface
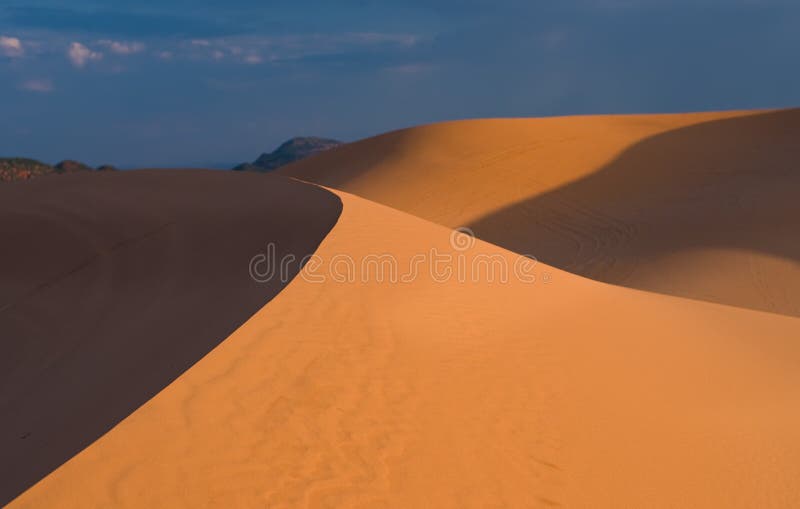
column 699, row 205
column 112, row 285
column 427, row 393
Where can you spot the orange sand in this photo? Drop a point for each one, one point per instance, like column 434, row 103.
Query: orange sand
column 569, row 392
column 696, row 205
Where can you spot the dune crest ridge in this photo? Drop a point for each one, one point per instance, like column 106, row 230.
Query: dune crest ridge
column 698, row 205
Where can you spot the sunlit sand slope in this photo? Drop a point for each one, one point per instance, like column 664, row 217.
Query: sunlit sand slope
column 697, row 205
column 440, row 393
column 113, row 284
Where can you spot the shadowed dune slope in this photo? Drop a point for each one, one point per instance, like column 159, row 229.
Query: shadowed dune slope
column 439, row 393
column 696, row 205
column 112, row 285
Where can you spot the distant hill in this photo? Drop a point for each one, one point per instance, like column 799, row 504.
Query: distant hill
column 291, row 151
column 70, row 166
column 20, row 168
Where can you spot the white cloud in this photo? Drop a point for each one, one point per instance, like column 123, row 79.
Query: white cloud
column 79, row 54
column 249, row 49
column 11, row 46
column 123, row 48
column 40, row 86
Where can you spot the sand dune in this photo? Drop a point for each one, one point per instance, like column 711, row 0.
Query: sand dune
column 112, row 285
column 467, row 390
column 560, row 392
column 695, row 205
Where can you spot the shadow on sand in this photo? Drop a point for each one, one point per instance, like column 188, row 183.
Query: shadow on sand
column 113, row 285
column 732, row 184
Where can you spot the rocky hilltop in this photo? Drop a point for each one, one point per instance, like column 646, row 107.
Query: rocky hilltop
column 289, row 152
column 20, row 168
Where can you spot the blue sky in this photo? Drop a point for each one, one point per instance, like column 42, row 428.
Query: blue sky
column 200, row 82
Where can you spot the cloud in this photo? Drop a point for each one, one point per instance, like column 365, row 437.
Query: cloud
column 79, row 54
column 11, row 46
column 122, row 48
column 39, row 86
column 255, row 49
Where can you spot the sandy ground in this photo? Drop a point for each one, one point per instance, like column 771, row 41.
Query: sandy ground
column 694, row 205
column 112, row 285
column 560, row 392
